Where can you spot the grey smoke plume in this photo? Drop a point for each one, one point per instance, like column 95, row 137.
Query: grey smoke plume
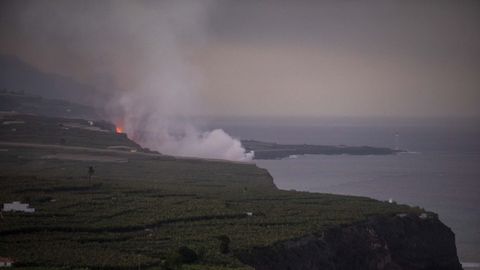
column 165, row 95
column 144, row 49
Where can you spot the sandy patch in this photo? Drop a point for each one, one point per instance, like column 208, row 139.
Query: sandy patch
column 122, row 148
column 13, row 122
column 92, row 128
column 86, row 157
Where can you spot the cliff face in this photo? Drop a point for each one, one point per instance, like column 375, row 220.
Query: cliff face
column 396, row 243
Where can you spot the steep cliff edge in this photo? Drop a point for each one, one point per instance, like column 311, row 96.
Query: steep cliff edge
column 382, row 243
column 142, row 210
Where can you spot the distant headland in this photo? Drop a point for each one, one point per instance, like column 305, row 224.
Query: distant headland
column 268, row 150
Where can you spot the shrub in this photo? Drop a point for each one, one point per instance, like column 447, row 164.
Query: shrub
column 182, row 255
column 186, row 255
column 224, row 244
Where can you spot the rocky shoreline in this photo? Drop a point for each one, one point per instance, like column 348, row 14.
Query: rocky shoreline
column 400, row 242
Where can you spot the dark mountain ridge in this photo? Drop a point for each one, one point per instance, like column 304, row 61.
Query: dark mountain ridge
column 18, row 75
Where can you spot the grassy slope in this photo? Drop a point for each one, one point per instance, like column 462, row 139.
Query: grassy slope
column 137, row 213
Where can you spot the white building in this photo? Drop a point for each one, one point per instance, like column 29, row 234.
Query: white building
column 18, row 206
column 6, row 262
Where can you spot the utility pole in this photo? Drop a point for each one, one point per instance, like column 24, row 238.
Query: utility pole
column 91, row 171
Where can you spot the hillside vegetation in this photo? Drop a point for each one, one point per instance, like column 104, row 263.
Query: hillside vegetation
column 145, row 210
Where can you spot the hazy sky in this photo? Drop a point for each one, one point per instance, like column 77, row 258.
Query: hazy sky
column 265, row 58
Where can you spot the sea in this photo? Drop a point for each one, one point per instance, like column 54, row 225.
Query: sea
column 440, row 170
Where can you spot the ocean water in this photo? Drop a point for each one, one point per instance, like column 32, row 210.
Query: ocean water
column 441, row 171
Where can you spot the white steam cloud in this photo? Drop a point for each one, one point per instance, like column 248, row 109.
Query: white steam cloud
column 158, row 108
column 141, row 51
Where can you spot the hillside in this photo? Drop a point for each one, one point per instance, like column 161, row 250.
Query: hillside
column 62, row 131
column 22, row 103
column 18, row 75
column 149, row 211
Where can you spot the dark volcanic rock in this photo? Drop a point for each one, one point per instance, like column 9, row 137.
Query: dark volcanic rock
column 268, row 150
column 381, row 243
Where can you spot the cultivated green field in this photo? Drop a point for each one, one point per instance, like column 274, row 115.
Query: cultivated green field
column 148, row 211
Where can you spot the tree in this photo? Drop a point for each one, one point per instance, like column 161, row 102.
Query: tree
column 224, row 244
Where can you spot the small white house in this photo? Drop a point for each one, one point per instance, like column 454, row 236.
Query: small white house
column 18, row 206
column 6, row 262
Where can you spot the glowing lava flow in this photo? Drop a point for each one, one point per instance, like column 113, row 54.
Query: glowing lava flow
column 119, row 129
